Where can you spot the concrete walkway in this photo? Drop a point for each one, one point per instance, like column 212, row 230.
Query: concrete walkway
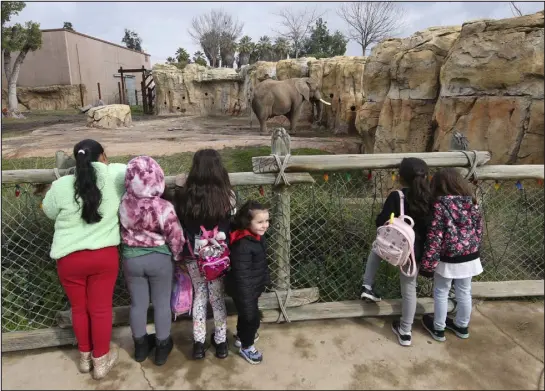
column 505, row 351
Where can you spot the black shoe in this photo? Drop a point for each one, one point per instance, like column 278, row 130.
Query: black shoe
column 370, row 294
column 198, row 350
column 222, row 351
column 143, row 346
column 461, row 332
column 427, row 322
column 162, row 350
column 403, row 339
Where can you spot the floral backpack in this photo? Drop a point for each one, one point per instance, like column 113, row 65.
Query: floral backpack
column 395, row 241
column 181, row 300
column 212, row 253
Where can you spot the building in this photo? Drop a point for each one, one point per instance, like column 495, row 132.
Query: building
column 70, row 58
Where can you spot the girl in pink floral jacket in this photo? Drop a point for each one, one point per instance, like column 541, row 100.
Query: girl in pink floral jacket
column 452, row 251
column 151, row 235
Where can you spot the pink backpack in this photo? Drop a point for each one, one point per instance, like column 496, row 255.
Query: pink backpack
column 181, row 300
column 395, row 241
column 212, row 253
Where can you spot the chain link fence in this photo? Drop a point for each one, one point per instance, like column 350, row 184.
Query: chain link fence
column 320, row 236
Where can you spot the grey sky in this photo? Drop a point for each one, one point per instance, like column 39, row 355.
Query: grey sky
column 163, row 26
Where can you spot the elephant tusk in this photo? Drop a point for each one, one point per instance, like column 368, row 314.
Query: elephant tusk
column 325, row 103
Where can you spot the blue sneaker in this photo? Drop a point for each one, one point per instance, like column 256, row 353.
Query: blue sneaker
column 238, row 344
column 251, row 355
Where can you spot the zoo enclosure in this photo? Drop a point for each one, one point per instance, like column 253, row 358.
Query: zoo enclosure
column 321, row 231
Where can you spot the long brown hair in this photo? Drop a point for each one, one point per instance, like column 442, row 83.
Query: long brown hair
column 414, row 174
column 448, row 181
column 206, row 195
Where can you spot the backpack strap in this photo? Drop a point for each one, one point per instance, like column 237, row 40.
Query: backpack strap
column 401, row 203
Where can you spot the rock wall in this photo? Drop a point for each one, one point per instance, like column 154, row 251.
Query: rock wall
column 492, row 90
column 483, row 79
column 56, row 97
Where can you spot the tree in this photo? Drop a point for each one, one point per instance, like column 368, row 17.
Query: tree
column 68, row 26
column 371, row 22
column 514, row 9
column 245, row 48
column 217, row 33
column 132, row 40
column 181, row 58
column 321, row 44
column 295, row 26
column 264, row 49
column 199, row 58
column 281, row 49
column 17, row 38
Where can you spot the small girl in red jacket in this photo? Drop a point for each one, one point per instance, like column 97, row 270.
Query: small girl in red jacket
column 452, row 251
column 249, row 275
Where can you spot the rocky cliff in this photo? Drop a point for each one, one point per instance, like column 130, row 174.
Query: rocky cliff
column 483, row 80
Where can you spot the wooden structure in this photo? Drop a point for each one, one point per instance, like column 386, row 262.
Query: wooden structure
column 147, row 88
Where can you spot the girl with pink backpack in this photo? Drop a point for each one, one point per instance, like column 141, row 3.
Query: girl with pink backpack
column 204, row 204
column 413, row 201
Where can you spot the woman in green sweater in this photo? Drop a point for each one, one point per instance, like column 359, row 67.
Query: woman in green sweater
column 84, row 207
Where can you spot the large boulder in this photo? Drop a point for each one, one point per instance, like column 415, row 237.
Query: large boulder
column 296, row 67
column 492, row 90
column 54, row 97
column 341, row 81
column 407, row 110
column 197, row 90
column 109, row 117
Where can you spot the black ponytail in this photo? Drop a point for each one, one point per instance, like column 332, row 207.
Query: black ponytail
column 414, row 173
column 85, row 185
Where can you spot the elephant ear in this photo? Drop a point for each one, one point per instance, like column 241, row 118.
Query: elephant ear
column 303, row 88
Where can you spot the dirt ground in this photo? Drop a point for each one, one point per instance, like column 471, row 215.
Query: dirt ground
column 504, row 351
column 158, row 136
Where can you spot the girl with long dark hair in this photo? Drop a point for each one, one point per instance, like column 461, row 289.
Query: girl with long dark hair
column 413, row 177
column 205, row 199
column 85, row 209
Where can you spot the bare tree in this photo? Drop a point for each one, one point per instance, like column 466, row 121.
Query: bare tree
column 514, row 9
column 295, row 26
column 214, row 30
column 371, row 22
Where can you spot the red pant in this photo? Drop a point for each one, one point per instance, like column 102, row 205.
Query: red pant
column 88, row 278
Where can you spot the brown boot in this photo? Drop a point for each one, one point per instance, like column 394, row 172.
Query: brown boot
column 102, row 365
column 85, row 362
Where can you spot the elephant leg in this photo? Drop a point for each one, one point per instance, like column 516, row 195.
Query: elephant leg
column 295, row 112
column 263, row 126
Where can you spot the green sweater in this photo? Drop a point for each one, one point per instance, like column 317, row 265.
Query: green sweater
column 72, row 233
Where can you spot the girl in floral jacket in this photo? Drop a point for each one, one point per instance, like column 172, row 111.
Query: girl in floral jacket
column 452, row 251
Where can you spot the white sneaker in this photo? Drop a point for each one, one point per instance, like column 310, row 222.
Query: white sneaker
column 238, row 344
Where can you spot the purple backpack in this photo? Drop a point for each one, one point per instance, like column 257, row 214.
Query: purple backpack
column 181, row 300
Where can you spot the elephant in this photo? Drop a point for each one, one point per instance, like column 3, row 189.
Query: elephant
column 285, row 97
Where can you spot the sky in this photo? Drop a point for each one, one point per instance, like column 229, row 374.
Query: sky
column 163, row 25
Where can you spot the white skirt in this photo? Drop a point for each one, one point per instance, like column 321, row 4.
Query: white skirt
column 459, row 270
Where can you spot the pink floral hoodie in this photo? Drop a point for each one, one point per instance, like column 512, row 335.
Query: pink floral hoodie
column 146, row 219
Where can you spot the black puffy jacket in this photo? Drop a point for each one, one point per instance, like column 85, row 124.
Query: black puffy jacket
column 249, row 272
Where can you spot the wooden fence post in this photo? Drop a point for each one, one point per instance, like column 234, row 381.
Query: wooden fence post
column 281, row 146
column 136, row 96
column 120, row 96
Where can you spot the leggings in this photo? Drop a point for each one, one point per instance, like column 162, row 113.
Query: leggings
column 202, row 292
column 88, row 278
column 150, row 273
column 408, row 291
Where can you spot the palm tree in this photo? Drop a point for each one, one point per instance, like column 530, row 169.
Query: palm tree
column 245, row 49
column 281, row 48
column 264, row 48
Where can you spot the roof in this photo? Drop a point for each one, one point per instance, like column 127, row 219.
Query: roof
column 96, row 39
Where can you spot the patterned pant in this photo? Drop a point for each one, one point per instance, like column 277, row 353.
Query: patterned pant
column 202, row 291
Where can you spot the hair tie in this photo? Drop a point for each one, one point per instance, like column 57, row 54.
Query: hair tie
column 81, row 151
